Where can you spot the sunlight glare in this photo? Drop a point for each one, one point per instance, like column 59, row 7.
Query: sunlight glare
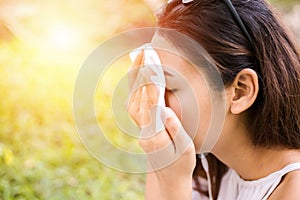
column 62, row 37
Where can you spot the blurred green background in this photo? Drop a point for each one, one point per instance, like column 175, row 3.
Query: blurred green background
column 42, row 47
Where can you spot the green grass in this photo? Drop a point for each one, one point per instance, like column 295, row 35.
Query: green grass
column 41, row 156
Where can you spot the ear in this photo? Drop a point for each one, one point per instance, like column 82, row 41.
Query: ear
column 244, row 91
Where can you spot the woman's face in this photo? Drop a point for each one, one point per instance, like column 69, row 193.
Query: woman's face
column 188, row 95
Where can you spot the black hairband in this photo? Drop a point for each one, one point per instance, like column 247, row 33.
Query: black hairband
column 238, row 20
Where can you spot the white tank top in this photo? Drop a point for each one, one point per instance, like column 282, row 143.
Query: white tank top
column 235, row 188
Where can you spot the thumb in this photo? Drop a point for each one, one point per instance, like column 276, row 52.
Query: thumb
column 171, row 121
column 182, row 141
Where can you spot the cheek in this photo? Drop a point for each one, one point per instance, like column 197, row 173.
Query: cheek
column 205, row 108
column 173, row 102
column 185, row 105
column 193, row 108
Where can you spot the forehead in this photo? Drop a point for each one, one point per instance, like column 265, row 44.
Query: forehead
column 176, row 63
column 169, row 55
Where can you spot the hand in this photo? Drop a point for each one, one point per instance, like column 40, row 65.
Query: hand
column 139, row 82
column 171, row 152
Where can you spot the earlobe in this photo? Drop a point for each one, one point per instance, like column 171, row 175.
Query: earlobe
column 244, row 91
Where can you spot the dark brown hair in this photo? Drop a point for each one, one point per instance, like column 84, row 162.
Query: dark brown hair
column 274, row 118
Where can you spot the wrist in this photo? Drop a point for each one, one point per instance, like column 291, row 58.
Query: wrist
column 179, row 189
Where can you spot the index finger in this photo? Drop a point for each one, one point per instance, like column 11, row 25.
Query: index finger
column 134, row 69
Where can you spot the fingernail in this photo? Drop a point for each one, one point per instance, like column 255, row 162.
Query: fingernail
column 143, row 90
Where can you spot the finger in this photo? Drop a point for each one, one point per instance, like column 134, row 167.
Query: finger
column 171, row 121
column 144, row 108
column 135, row 99
column 181, row 139
column 133, row 105
column 134, row 69
column 152, row 93
column 138, row 61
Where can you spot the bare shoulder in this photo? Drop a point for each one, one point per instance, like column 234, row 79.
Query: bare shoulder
column 288, row 188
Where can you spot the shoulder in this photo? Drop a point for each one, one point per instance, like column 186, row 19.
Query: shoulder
column 288, row 188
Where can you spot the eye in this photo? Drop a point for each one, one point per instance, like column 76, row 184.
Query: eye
column 171, row 98
column 172, row 90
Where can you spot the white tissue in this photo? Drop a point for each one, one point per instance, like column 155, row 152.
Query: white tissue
column 152, row 62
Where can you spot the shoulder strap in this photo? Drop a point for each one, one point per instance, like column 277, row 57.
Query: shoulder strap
column 282, row 172
column 206, row 169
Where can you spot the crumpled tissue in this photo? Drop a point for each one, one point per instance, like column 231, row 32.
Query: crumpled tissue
column 152, row 71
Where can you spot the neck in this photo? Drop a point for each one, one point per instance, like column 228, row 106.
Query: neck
column 253, row 163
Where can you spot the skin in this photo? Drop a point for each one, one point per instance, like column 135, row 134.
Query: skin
column 234, row 147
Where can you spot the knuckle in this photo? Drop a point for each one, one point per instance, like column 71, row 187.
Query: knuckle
column 171, row 125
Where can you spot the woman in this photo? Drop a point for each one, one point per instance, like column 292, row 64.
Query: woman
column 257, row 155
